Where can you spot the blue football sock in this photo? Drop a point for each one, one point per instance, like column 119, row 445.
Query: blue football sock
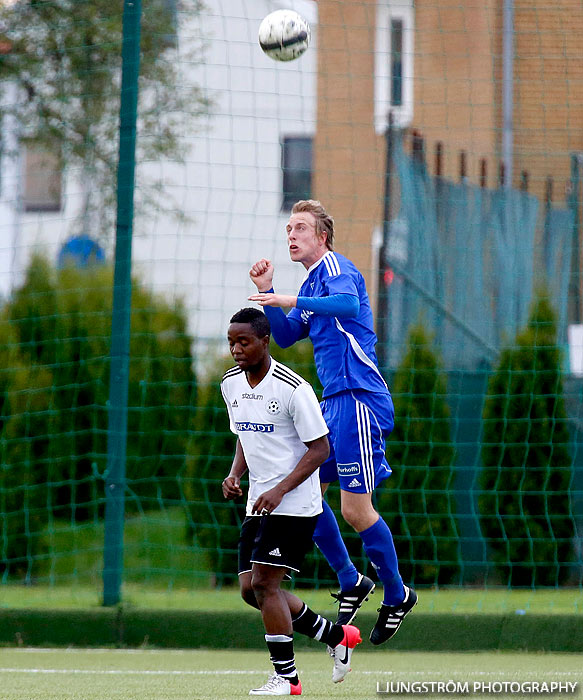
column 329, row 541
column 380, row 549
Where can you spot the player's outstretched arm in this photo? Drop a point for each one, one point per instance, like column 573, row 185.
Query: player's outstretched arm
column 285, row 331
column 339, row 305
column 272, row 299
column 318, row 451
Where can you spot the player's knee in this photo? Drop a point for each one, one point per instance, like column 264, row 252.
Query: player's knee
column 258, row 584
column 262, row 585
column 359, row 515
column 350, row 514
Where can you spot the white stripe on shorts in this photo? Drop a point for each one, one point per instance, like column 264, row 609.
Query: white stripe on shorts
column 365, row 443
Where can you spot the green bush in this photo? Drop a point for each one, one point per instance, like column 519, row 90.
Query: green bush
column 418, row 500
column 214, row 523
column 299, row 358
column 54, row 440
column 524, row 503
column 22, row 488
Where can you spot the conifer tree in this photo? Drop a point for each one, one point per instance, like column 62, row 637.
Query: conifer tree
column 418, row 499
column 525, row 508
column 54, row 437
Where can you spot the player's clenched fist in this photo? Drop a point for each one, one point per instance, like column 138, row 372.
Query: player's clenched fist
column 262, row 274
column 232, row 488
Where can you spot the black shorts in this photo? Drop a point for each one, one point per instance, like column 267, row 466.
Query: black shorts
column 277, row 540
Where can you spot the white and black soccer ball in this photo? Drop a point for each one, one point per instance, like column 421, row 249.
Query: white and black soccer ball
column 284, row 35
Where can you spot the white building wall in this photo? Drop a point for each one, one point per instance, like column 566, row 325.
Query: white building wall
column 10, row 182
column 230, row 187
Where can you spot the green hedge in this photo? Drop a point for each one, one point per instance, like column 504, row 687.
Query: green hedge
column 243, row 630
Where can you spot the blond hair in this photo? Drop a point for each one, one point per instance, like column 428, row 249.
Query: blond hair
column 324, row 222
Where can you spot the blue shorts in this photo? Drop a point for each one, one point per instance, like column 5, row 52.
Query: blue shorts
column 358, row 422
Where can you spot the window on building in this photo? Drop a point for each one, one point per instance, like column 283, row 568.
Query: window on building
column 42, row 180
column 394, row 63
column 296, row 164
column 397, row 62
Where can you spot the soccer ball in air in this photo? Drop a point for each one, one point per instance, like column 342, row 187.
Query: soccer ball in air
column 284, row 35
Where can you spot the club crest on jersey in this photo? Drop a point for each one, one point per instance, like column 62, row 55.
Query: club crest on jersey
column 244, row 427
column 273, row 407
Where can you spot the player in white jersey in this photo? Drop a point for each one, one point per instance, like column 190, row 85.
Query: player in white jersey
column 281, row 442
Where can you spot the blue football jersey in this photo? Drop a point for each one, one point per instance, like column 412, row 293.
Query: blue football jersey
column 344, row 349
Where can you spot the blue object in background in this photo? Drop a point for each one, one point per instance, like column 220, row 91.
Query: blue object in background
column 80, row 251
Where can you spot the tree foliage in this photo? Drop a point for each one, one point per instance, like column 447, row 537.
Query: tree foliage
column 525, row 508
column 65, row 58
column 418, row 500
column 214, row 522
column 54, row 439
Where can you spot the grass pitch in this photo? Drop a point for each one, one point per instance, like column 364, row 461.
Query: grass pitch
column 50, row 674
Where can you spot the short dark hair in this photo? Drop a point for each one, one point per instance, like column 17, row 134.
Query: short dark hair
column 255, row 318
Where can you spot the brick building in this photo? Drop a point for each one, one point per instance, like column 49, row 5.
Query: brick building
column 439, row 67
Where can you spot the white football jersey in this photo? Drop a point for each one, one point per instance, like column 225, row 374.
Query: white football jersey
column 273, row 420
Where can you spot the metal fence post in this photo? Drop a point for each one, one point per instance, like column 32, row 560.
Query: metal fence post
column 382, row 291
column 122, row 294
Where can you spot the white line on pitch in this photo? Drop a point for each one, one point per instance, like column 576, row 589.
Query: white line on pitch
column 222, row 672
column 121, row 672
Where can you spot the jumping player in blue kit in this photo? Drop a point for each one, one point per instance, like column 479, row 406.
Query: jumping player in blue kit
column 333, row 310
